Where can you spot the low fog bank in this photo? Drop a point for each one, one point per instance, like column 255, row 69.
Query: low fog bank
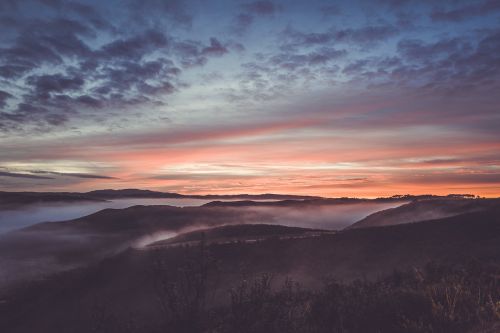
column 422, row 210
column 327, row 217
column 34, row 255
column 53, row 212
column 321, row 217
column 324, row 217
column 51, row 247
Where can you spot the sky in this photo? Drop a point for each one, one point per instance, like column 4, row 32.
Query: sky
column 332, row 98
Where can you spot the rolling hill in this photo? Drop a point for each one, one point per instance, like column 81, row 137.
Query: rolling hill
column 421, row 210
column 126, row 283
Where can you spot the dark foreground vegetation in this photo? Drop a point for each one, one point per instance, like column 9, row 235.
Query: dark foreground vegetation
column 188, row 297
column 435, row 299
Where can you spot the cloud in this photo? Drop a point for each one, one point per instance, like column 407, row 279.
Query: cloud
column 8, row 5
column 453, row 64
column 135, row 47
column 317, row 57
column 242, row 22
column 414, row 49
column 66, row 73
column 211, row 133
column 263, row 7
column 91, row 15
column 74, row 174
column 215, row 48
column 355, row 67
column 4, row 96
column 451, row 177
column 22, row 175
column 330, row 10
column 175, row 10
column 46, row 84
column 43, row 42
column 363, row 36
column 250, row 11
column 323, row 89
column 366, row 34
column 466, row 12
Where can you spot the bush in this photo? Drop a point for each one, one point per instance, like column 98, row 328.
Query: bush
column 435, row 299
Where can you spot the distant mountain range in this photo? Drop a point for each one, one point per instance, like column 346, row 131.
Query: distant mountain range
column 13, row 199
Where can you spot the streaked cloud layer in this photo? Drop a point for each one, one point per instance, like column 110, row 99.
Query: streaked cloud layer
column 361, row 98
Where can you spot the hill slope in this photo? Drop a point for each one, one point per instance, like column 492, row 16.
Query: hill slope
column 125, row 284
column 421, row 210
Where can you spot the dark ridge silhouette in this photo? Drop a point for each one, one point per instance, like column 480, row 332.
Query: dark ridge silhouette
column 109, row 292
column 303, row 202
column 49, row 247
column 239, row 232
column 46, row 248
column 420, row 210
column 144, row 219
column 287, row 203
column 15, row 199
column 131, row 193
column 264, row 196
